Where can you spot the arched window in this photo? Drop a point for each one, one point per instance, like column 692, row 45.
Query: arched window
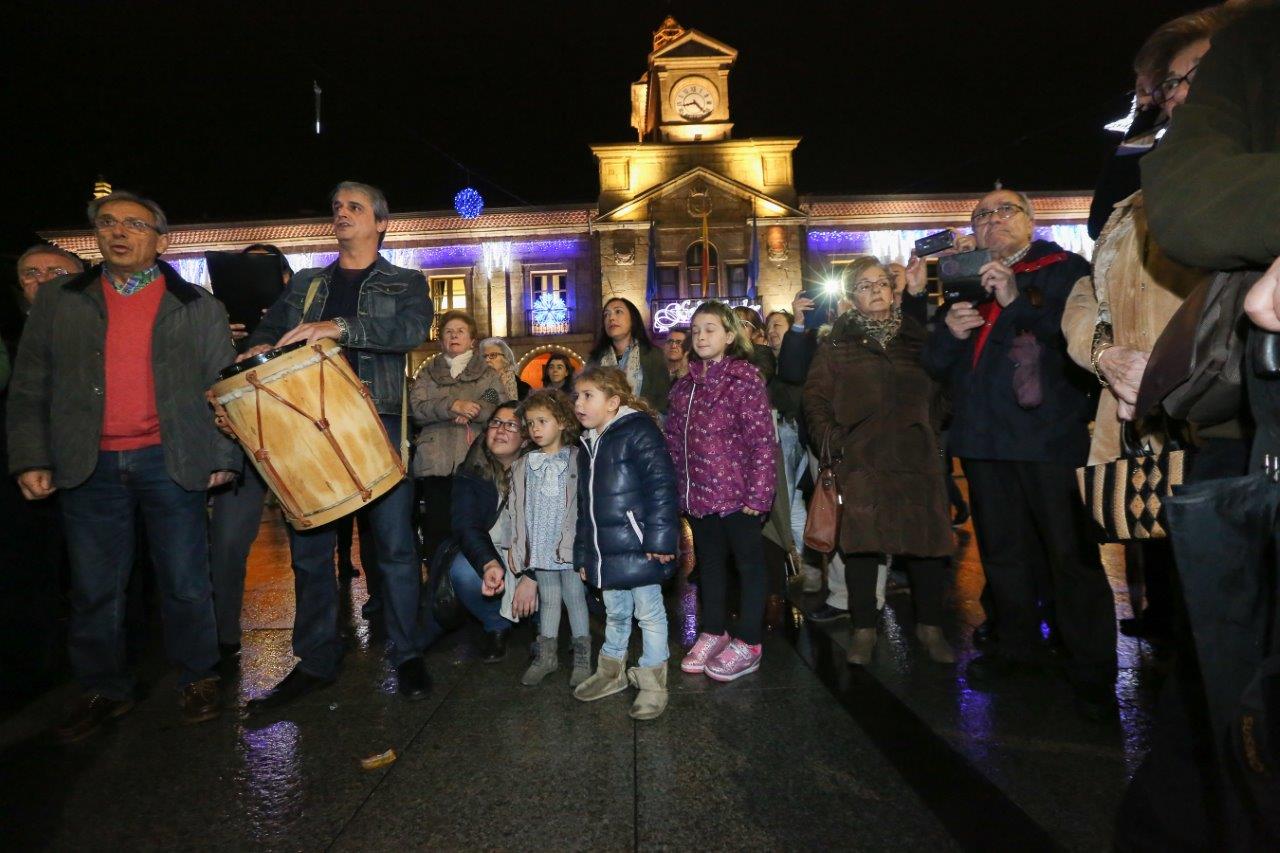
column 693, row 264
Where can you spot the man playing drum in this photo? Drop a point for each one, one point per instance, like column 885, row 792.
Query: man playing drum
column 378, row 312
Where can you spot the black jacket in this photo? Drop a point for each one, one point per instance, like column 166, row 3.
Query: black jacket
column 627, row 505
column 475, row 508
column 987, row 422
column 56, row 396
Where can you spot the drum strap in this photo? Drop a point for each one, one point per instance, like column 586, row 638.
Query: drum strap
column 404, row 417
column 311, row 297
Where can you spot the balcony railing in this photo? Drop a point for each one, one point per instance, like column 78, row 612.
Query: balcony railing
column 549, row 315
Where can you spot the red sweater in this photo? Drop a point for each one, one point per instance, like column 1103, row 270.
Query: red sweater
column 129, row 417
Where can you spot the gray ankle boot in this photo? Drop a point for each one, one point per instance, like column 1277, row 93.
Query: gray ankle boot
column 581, row 661
column 544, row 662
column 651, row 701
column 610, row 677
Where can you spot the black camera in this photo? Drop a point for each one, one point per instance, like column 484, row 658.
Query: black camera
column 961, row 277
column 935, row 243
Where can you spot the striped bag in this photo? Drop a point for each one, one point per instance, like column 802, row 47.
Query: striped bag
column 1125, row 498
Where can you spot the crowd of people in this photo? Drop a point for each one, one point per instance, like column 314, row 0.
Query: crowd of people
column 588, row 490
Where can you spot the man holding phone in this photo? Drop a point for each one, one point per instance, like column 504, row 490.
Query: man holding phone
column 1020, row 428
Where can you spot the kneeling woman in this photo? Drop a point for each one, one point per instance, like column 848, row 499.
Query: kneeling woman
column 869, row 398
column 482, row 535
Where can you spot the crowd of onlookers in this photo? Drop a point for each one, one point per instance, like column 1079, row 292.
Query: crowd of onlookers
column 689, row 463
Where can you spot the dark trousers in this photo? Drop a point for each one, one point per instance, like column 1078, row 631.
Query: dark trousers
column 1024, row 512
column 233, row 525
column 315, row 623
column 434, row 513
column 928, row 586
column 100, row 516
column 714, row 539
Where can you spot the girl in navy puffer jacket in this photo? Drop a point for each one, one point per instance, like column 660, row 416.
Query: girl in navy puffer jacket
column 720, row 433
column 628, row 524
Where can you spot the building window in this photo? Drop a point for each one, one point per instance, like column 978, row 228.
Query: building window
column 668, row 283
column 736, row 280
column 448, row 293
column 549, row 312
column 693, row 265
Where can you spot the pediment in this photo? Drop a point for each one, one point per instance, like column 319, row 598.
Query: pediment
column 692, row 45
column 765, row 205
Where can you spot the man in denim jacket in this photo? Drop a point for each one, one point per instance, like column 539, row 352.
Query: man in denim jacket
column 378, row 311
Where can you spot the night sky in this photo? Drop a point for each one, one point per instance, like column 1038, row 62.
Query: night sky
column 208, row 107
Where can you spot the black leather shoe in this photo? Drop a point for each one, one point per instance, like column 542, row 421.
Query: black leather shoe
column 412, row 679
column 827, row 613
column 86, row 716
column 493, row 647
column 295, row 685
column 991, row 668
column 985, row 634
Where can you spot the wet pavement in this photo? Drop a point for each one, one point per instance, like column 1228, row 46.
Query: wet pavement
column 806, row 754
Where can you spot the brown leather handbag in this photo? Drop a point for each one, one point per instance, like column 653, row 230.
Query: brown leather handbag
column 822, row 527
column 1195, row 367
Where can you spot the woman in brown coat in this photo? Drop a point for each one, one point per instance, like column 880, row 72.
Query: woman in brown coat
column 869, row 397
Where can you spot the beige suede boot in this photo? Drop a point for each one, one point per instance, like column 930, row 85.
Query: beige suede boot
column 940, row 651
column 651, row 701
column 610, row 677
column 862, row 642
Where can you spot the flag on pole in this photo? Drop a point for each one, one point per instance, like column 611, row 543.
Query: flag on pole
column 753, row 267
column 651, row 276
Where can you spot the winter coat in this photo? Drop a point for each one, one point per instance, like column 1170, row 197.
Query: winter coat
column 1139, row 288
column 874, row 405
column 656, row 381
column 627, row 505
column 56, row 395
column 474, row 509
column 441, row 443
column 520, row 546
column 987, row 421
column 721, row 437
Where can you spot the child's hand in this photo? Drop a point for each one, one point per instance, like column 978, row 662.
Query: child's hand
column 746, row 510
column 495, row 578
column 661, row 558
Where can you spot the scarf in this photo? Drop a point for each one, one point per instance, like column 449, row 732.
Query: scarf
column 631, row 365
column 135, row 282
column 554, row 463
column 880, row 331
column 458, row 363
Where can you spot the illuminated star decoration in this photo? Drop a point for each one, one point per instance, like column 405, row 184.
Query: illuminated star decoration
column 468, row 203
column 549, row 310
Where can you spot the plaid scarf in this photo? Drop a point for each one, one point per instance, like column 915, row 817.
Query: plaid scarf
column 880, row 331
column 136, row 282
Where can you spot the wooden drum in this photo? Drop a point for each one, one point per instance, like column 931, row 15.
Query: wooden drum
column 310, row 427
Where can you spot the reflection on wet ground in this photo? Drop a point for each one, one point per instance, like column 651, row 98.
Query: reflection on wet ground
column 805, row 754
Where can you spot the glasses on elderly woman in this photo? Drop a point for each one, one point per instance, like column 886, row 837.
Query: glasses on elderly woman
column 1170, row 85
column 1003, row 213
column 504, row 426
column 864, row 287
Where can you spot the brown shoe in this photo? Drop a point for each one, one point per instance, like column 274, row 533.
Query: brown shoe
column 200, row 701
column 87, row 714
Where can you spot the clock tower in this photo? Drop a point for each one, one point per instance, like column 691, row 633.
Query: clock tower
column 684, row 95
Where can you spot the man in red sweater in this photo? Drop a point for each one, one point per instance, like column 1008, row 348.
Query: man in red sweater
column 107, row 406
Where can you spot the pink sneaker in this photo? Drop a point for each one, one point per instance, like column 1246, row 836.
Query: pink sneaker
column 707, row 647
column 737, row 659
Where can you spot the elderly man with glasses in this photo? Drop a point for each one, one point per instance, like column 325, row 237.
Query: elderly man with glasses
column 107, row 407
column 1020, row 428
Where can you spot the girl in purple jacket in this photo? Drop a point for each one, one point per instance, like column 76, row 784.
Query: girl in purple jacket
column 720, row 433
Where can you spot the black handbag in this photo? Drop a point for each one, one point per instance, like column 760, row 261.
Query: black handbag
column 447, row 609
column 1126, row 497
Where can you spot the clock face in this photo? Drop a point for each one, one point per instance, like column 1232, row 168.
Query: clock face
column 693, row 98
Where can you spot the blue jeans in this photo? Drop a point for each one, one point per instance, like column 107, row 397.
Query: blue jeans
column 645, row 603
column 315, row 620
column 99, row 515
column 471, row 592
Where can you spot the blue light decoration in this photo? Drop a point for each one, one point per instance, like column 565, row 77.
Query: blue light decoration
column 468, row 203
column 550, row 314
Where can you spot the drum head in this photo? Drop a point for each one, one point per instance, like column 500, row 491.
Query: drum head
column 257, row 360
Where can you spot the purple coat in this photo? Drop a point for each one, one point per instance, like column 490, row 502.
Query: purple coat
column 720, row 433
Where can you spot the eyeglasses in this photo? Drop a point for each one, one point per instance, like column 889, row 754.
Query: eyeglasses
column 1003, row 213
column 1170, row 85
column 133, row 225
column 864, row 287
column 505, row 426
column 673, row 343
column 32, row 273
column 492, row 356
